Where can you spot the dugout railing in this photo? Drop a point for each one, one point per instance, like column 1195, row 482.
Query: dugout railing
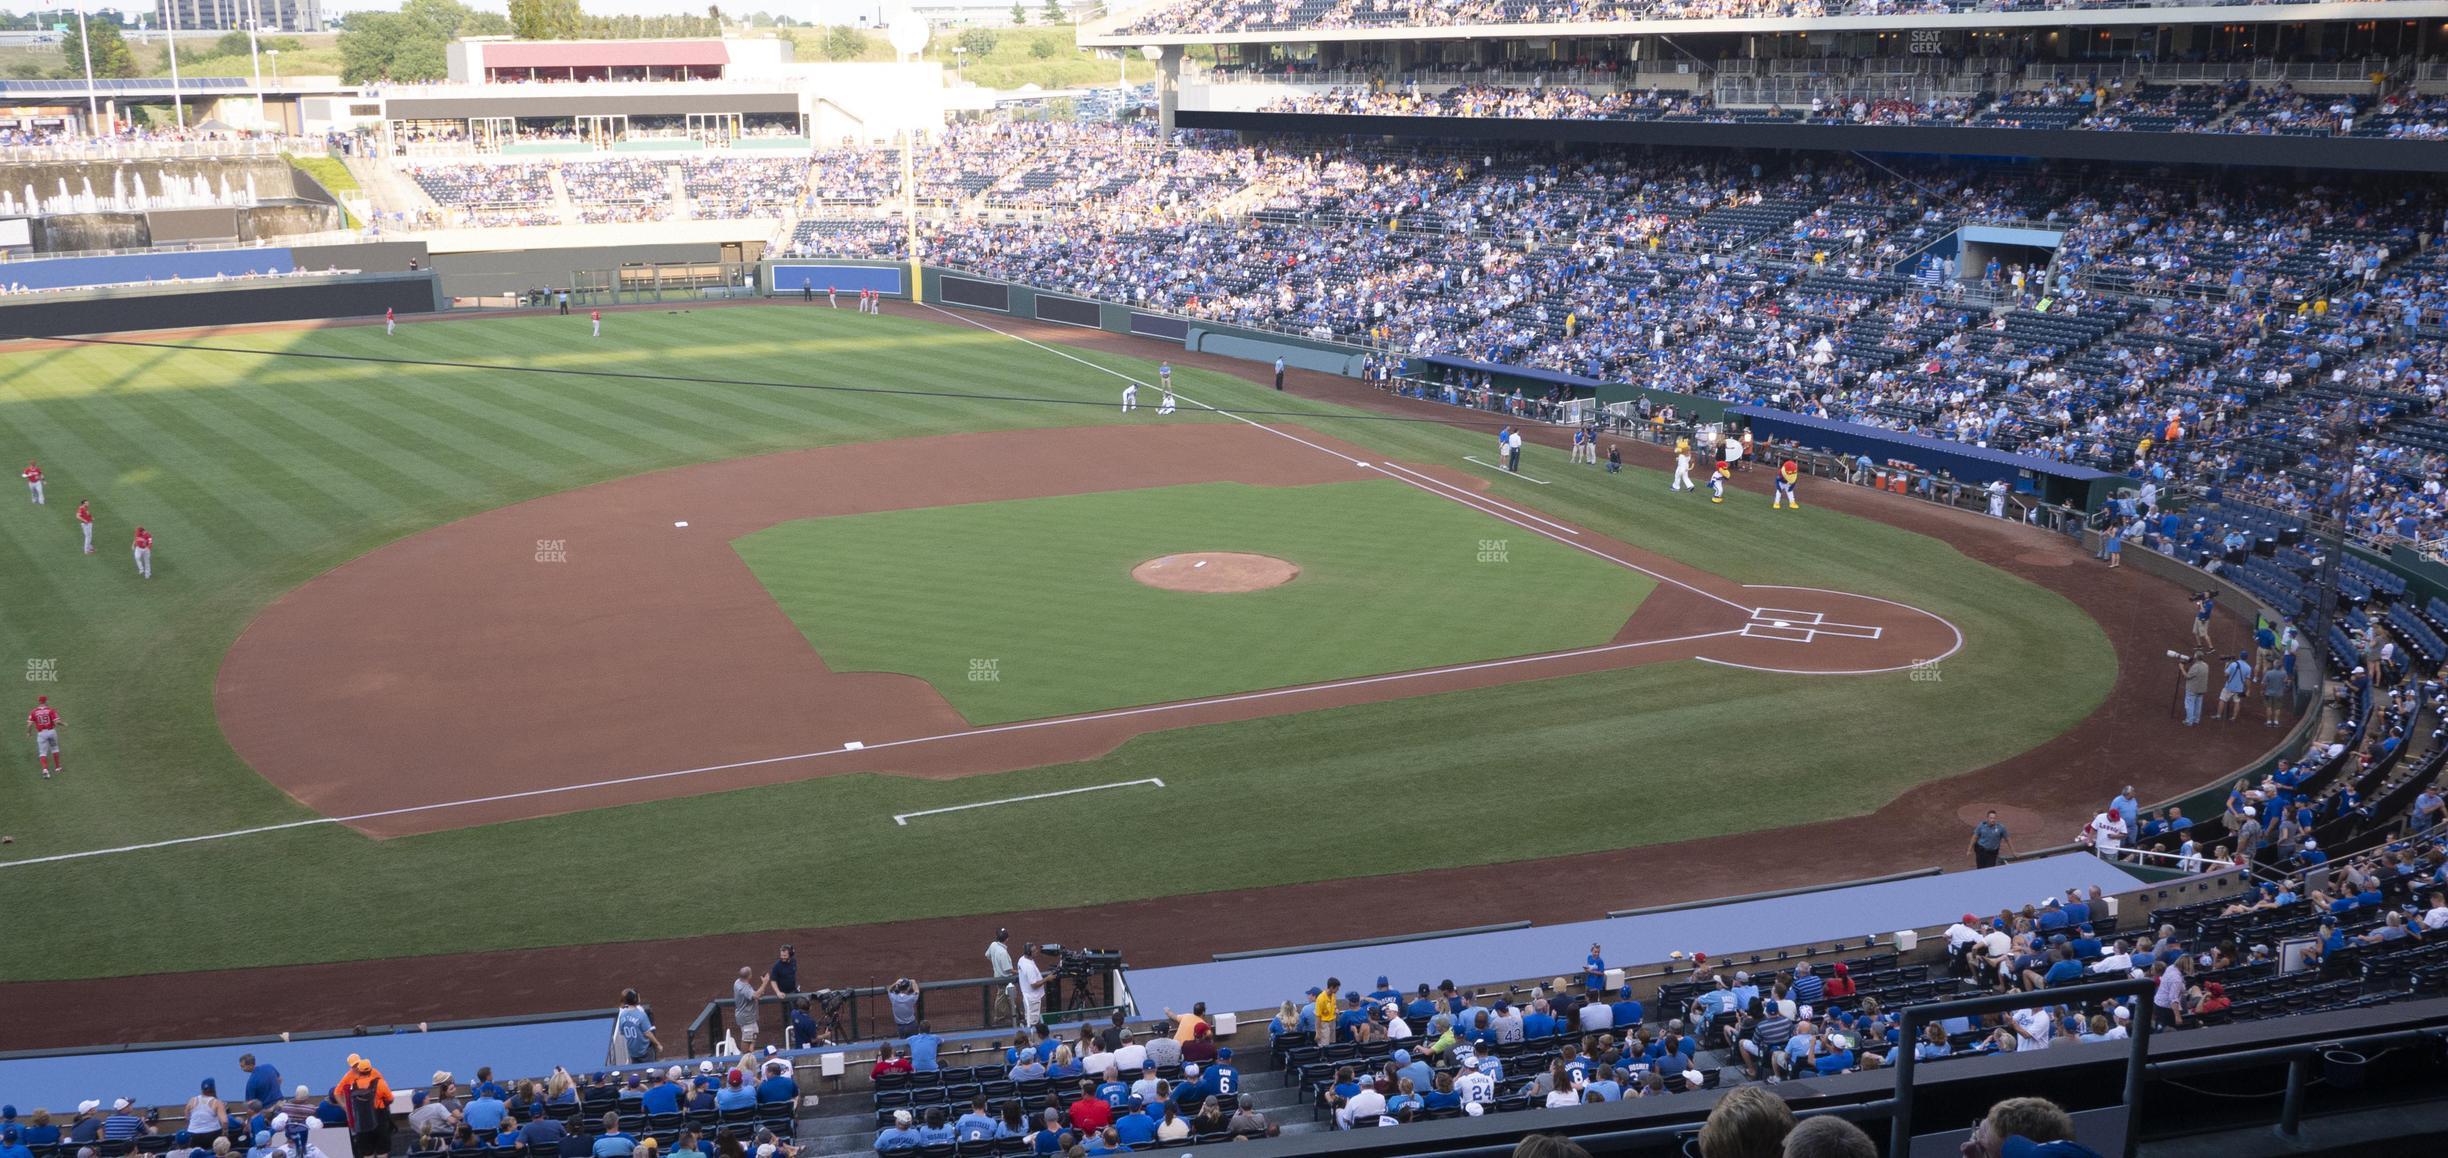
column 864, row 1013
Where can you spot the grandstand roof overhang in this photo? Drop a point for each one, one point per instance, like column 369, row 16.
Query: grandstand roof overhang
column 1103, row 34
column 574, row 101
column 607, row 54
column 2378, row 154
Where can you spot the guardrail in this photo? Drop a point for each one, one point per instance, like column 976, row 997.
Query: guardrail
column 863, row 1013
column 113, row 149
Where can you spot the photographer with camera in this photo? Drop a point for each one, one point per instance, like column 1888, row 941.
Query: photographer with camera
column 2194, row 673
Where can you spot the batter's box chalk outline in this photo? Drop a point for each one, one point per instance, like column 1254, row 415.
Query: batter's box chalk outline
column 1781, row 613
column 1780, row 634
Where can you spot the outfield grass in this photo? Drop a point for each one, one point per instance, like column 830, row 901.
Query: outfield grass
column 1392, row 579
column 258, row 473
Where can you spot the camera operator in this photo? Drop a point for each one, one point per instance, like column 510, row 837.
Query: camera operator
column 2195, row 674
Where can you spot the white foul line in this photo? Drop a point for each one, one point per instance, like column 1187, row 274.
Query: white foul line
column 878, row 745
column 1494, row 467
column 1476, row 497
column 1356, row 462
column 903, row 818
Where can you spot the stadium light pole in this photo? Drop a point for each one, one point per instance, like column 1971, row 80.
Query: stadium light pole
column 908, row 34
column 178, row 103
column 93, row 100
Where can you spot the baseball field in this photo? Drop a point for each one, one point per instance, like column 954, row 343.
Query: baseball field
column 453, row 630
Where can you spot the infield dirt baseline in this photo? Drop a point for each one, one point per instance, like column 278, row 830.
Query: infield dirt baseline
column 331, row 694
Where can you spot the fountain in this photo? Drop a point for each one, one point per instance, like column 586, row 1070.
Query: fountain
column 32, row 204
column 142, row 202
column 86, row 202
column 65, row 202
column 250, row 188
column 118, row 188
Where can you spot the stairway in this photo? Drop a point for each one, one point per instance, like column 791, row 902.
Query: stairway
column 846, row 1123
column 387, row 193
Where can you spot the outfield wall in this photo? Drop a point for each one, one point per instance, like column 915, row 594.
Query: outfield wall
column 117, row 309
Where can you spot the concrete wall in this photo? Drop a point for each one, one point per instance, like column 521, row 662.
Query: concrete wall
column 474, row 273
column 116, row 309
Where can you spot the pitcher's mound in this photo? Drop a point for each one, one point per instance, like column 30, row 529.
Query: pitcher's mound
column 1215, row 572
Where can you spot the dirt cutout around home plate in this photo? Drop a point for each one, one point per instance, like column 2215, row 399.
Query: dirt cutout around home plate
column 1216, row 572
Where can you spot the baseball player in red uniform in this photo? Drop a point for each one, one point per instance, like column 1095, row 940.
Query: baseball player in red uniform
column 390, row 322
column 1787, row 472
column 144, row 552
column 85, row 522
column 43, row 723
column 33, row 477
column 596, row 317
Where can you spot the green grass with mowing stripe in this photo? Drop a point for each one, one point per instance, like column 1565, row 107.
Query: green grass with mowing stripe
column 1392, row 579
column 259, row 473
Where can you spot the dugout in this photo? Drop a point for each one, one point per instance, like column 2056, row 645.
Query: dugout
column 2047, row 480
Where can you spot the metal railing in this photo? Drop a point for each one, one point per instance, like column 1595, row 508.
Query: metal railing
column 865, row 1013
column 1914, row 1017
column 123, row 149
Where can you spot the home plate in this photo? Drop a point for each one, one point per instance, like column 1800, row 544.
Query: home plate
column 852, row 745
column 681, row 523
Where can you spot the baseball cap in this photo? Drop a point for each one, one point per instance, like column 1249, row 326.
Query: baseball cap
column 119, row 1103
column 88, row 1106
column 705, row 1067
column 1382, row 983
column 672, row 1074
column 901, row 1118
column 1224, row 1054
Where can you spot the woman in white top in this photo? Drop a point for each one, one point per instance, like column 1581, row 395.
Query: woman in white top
column 1173, row 1128
column 206, row 1116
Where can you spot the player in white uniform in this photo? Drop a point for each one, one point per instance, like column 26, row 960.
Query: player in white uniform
column 1165, row 405
column 1130, row 398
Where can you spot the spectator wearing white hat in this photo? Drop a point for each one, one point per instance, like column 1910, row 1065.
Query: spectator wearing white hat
column 123, row 1122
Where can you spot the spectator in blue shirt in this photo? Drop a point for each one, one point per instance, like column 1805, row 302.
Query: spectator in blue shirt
column 663, row 1097
column 1135, row 1128
column 976, row 1125
column 938, row 1130
column 263, row 1084
column 898, row 1136
column 1421, row 1007
column 776, row 1088
column 1384, row 992
column 1627, row 1011
column 1593, row 971
column 1537, row 1022
column 123, row 1123
column 1808, row 989
column 612, row 1143
column 924, row 1045
column 484, row 1115
column 736, row 1093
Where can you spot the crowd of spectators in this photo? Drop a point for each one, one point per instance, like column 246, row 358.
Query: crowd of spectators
column 1200, row 17
column 2113, row 105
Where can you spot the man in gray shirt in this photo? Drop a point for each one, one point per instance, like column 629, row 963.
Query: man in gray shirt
column 744, row 1006
column 1162, row 1050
